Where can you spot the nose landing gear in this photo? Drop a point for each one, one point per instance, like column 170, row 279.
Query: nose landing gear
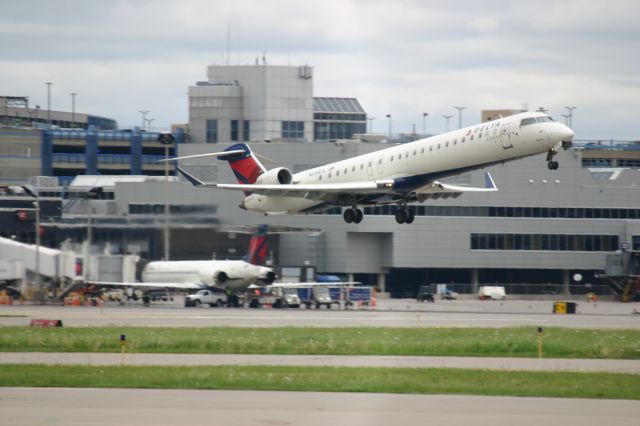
column 551, row 164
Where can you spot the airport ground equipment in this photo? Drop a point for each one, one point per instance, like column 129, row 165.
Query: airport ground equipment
column 622, row 274
column 206, row 297
column 488, row 292
column 425, row 293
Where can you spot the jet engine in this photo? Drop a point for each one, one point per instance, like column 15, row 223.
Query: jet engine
column 277, row 176
column 268, row 278
column 220, row 277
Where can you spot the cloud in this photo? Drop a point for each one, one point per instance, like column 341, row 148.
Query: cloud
column 399, row 57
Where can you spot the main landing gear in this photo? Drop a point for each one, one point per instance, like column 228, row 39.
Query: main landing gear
column 405, row 215
column 552, row 165
column 353, row 215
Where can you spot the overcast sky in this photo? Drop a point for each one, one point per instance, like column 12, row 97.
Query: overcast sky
column 397, row 57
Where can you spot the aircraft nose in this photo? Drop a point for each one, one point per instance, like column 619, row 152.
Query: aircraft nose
column 567, row 134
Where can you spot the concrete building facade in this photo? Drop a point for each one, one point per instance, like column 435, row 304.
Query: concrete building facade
column 252, row 103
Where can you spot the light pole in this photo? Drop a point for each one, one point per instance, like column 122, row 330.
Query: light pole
column 389, row 137
column 144, row 117
column 167, row 140
column 566, row 119
column 424, row 124
column 49, row 103
column 87, row 257
column 36, row 204
column 447, row 117
column 73, row 110
column 460, row 108
column 149, row 120
column 570, row 116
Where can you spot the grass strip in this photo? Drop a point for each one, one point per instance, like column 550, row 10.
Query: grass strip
column 329, row 379
column 482, row 342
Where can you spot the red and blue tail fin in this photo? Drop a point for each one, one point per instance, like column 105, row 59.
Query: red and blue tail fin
column 245, row 165
column 258, row 247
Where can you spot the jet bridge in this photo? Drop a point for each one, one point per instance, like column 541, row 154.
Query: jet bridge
column 622, row 274
column 20, row 262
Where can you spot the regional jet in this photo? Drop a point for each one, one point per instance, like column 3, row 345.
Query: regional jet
column 233, row 275
column 401, row 174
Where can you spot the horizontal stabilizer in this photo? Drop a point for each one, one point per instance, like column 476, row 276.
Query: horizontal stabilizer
column 211, row 154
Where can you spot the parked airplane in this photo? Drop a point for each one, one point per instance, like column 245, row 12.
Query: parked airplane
column 401, row 174
column 235, row 275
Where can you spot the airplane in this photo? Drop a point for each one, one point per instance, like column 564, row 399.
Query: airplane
column 401, row 174
column 233, row 275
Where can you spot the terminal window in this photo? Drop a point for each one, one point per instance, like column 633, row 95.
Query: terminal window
column 212, row 131
column 235, row 130
column 544, row 242
column 293, row 129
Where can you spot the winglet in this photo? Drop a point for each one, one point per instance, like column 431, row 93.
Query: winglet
column 488, row 182
column 194, row 181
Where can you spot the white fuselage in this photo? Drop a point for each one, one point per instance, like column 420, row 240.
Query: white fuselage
column 412, row 165
column 233, row 274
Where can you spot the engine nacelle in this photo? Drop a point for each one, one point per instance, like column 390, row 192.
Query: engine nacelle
column 220, row 277
column 277, row 176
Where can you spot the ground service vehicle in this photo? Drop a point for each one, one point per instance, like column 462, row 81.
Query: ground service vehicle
column 492, row 293
column 209, row 297
column 425, row 292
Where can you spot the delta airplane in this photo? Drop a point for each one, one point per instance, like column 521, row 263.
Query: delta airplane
column 235, row 275
column 401, row 174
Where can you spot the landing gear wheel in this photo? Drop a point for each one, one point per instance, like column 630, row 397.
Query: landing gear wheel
column 410, row 216
column 353, row 215
column 553, row 165
column 401, row 215
column 349, row 215
column 358, row 216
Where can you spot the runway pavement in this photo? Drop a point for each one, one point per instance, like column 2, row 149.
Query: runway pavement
column 390, row 313
column 142, row 407
column 504, row 364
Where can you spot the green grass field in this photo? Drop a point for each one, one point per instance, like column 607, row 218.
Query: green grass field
column 330, row 379
column 500, row 342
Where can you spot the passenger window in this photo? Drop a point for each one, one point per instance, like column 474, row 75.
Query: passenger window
column 337, row 172
column 422, row 151
column 455, row 141
column 480, row 135
column 353, row 169
column 361, row 166
column 345, row 170
column 414, row 152
column 438, row 146
column 380, row 161
column 431, row 148
column 391, row 159
column 447, row 144
column 462, row 140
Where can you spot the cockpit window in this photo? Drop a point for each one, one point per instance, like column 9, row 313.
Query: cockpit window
column 544, row 119
column 527, row 121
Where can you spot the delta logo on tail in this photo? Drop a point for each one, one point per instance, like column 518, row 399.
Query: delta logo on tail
column 245, row 166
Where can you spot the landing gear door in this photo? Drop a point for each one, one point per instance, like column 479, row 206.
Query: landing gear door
column 505, row 136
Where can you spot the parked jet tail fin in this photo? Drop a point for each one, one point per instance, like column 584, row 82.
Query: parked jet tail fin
column 258, row 247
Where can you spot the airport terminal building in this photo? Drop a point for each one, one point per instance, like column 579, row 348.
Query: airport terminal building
column 542, row 229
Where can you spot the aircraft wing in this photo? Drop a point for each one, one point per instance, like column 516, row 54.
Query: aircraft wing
column 437, row 187
column 314, row 191
column 148, row 285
